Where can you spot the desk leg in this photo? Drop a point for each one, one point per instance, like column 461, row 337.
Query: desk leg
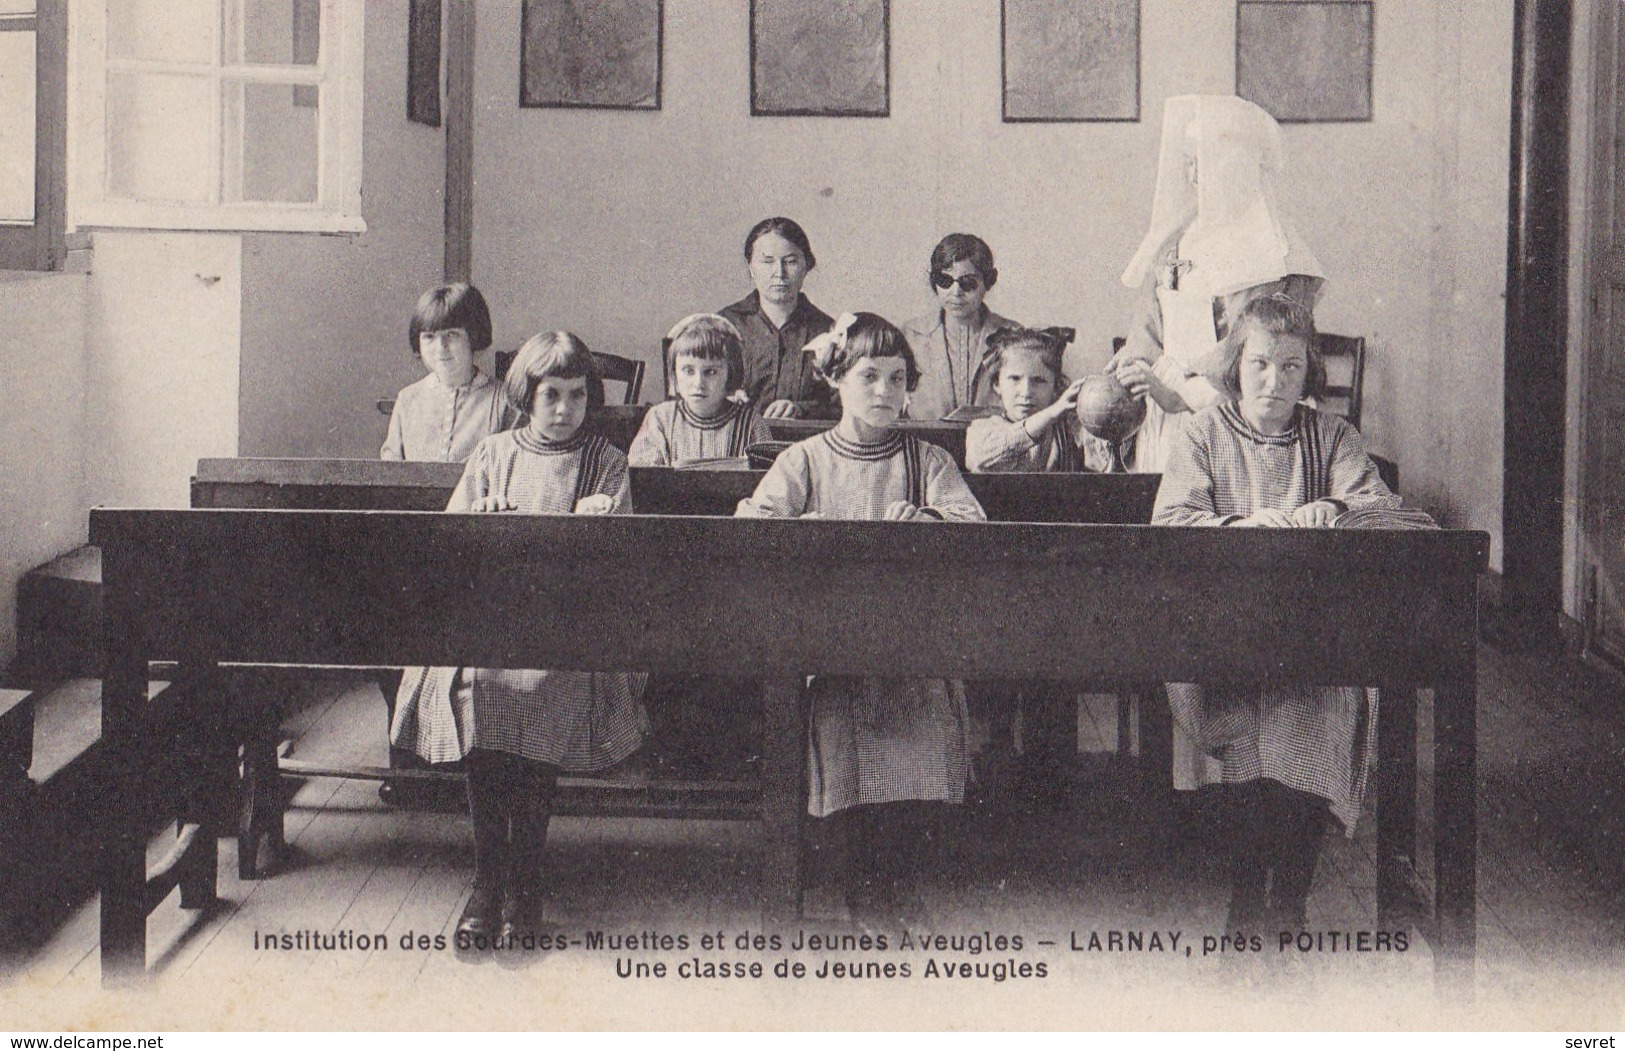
column 1455, row 808
column 206, row 782
column 1156, row 748
column 1396, row 803
column 123, row 847
column 784, row 786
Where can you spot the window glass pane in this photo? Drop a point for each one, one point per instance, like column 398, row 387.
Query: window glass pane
column 160, row 138
column 279, row 137
column 17, row 127
column 271, row 32
column 162, row 30
column 17, row 7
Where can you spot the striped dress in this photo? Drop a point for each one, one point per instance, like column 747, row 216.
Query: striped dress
column 1315, row 739
column 578, row 721
column 874, row 740
column 999, row 444
column 672, row 435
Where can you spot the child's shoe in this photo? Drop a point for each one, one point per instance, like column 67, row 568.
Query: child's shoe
column 477, row 926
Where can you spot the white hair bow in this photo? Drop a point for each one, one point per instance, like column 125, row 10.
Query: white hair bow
column 829, row 350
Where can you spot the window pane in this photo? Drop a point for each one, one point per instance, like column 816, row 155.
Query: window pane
column 279, row 137
column 162, row 30
column 17, row 127
column 271, row 32
column 17, row 7
column 160, row 138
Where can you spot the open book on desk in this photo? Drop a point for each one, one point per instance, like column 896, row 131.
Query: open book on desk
column 714, row 463
column 1385, row 518
column 966, row 413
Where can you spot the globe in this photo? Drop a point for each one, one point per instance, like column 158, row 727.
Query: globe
column 1107, row 410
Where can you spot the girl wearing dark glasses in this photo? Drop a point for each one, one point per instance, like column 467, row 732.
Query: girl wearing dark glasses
column 949, row 341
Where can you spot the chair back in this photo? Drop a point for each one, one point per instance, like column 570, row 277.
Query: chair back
column 1344, row 357
column 626, row 371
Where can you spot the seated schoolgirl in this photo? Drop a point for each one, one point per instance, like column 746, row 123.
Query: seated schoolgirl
column 700, row 421
column 884, row 754
column 1038, row 429
column 518, row 730
column 444, row 415
column 441, row 417
column 1291, row 756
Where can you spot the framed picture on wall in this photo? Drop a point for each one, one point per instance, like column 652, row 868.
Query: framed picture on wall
column 1066, row 61
column 1306, row 60
column 590, row 54
column 423, row 63
column 826, row 59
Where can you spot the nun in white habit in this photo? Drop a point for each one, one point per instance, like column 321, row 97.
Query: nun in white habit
column 1217, row 241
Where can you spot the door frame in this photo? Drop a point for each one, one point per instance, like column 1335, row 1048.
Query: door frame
column 1589, row 318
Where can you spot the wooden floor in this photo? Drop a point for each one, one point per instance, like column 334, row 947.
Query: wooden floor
column 1551, row 925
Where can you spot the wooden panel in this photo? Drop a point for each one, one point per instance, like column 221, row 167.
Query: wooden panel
column 970, row 601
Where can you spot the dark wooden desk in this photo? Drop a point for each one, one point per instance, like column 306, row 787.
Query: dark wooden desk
column 369, row 485
column 1394, row 609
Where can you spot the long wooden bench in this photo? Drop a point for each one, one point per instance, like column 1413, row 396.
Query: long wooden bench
column 1392, row 609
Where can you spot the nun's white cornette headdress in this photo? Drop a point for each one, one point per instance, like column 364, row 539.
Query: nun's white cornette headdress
column 1226, row 221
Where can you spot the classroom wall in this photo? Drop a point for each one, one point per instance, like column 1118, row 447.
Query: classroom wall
column 615, row 224
column 324, row 318
column 163, row 328
column 42, row 472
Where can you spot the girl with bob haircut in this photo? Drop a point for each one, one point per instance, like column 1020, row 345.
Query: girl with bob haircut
column 884, row 755
column 700, row 420
column 518, row 730
column 1290, row 757
column 776, row 320
column 444, row 415
column 951, row 341
column 558, row 354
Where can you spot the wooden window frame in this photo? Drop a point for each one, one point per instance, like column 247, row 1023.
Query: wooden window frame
column 40, row 244
column 337, row 209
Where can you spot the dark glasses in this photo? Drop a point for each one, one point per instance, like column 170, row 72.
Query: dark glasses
column 966, row 282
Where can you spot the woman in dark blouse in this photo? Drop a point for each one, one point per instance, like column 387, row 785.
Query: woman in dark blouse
column 776, row 321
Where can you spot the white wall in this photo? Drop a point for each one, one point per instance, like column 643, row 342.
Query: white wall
column 324, row 318
column 42, row 470
column 164, row 333
column 615, row 224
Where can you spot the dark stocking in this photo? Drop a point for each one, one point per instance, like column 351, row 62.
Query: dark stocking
column 1249, row 857
column 1300, row 826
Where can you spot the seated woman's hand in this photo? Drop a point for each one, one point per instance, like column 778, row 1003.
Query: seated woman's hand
column 1122, row 357
column 1142, row 380
column 596, row 504
column 491, row 503
column 1268, row 518
column 900, row 511
column 1318, row 515
column 783, row 409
